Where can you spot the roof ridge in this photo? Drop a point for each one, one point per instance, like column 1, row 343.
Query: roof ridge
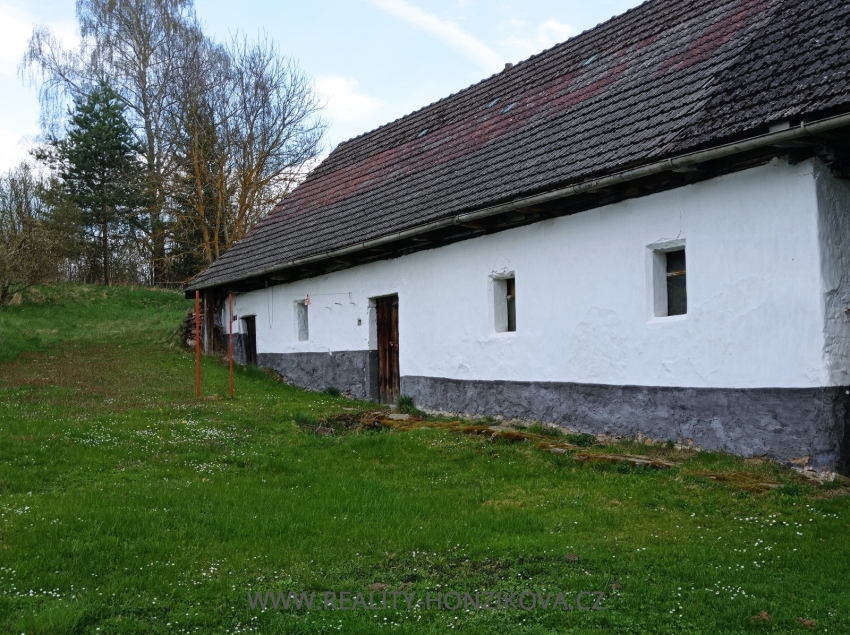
column 346, row 153
column 514, row 68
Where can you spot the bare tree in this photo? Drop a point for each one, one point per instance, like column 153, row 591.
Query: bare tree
column 249, row 124
column 274, row 133
column 203, row 190
column 36, row 231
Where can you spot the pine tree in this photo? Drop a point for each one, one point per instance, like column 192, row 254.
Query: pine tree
column 101, row 168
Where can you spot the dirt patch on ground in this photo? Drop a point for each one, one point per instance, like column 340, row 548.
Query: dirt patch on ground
column 755, row 483
column 92, row 376
column 625, row 459
column 353, row 421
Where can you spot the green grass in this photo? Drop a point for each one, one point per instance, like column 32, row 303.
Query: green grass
column 406, row 405
column 581, row 440
column 128, row 506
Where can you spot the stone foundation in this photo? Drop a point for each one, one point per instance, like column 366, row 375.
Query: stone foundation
column 352, row 372
column 780, row 423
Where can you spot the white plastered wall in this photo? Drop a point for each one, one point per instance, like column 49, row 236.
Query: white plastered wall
column 585, row 308
column 834, row 225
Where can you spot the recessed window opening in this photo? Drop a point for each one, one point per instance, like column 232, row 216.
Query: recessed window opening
column 510, row 288
column 677, row 289
column 494, row 102
column 250, row 339
column 504, row 296
column 302, row 320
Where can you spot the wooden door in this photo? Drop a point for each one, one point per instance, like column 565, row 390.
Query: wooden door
column 250, row 340
column 390, row 384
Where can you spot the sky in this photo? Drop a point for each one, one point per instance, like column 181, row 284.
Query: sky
column 372, row 61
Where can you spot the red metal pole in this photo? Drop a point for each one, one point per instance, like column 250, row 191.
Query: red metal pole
column 231, row 346
column 198, row 344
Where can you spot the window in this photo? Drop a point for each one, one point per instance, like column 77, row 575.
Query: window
column 301, row 320
column 504, row 296
column 510, row 289
column 669, row 279
column 677, row 290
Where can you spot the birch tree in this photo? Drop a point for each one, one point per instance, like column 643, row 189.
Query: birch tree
column 135, row 44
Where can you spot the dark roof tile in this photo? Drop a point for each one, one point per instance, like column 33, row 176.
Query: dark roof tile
column 664, row 78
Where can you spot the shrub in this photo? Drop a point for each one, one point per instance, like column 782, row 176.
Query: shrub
column 333, row 391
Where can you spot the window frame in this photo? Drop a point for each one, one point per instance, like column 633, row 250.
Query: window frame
column 658, row 306
column 504, row 319
column 300, row 307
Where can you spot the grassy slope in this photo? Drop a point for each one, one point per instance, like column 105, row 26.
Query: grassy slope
column 126, row 506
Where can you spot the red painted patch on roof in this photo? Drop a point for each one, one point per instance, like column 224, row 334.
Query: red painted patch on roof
column 718, row 34
column 664, row 78
column 448, row 143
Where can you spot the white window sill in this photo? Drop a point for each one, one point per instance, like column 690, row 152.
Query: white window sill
column 669, row 319
column 502, row 335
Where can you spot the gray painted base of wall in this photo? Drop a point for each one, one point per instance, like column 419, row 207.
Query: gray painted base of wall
column 782, row 423
column 352, row 372
column 238, row 349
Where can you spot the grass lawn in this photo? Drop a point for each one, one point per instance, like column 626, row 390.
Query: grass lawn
column 128, row 506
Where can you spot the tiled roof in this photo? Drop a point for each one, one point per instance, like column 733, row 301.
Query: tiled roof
column 664, row 78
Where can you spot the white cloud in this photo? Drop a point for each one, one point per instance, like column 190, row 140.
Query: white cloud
column 15, row 29
column 345, row 102
column 553, row 31
column 445, row 30
column 19, row 106
column 14, row 149
column 548, row 34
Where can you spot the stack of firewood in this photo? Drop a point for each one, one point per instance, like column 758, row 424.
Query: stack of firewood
column 188, row 329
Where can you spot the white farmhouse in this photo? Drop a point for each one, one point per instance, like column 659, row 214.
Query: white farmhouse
column 645, row 229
